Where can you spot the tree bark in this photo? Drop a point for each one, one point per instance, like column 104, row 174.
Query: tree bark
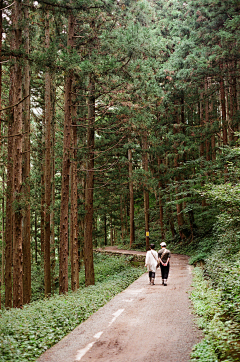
column 47, row 181
column 9, row 199
column 63, row 261
column 223, row 108
column 213, row 141
column 52, row 224
column 233, row 100
column 176, row 179
column 161, row 205
column 131, row 198
column 88, row 222
column 121, row 217
column 17, row 164
column 105, row 229
column 26, row 169
column 201, row 116
column 74, row 207
column 224, row 116
column 42, row 211
column 2, row 269
column 35, row 236
column 111, row 231
column 207, row 143
column 146, row 192
column 202, row 144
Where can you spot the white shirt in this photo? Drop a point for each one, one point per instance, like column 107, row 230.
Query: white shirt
column 151, row 260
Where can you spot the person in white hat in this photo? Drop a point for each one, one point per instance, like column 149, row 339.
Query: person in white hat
column 164, row 256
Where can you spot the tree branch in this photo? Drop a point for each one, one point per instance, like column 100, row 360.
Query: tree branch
column 68, row 7
column 14, row 105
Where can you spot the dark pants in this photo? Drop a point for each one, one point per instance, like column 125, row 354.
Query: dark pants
column 164, row 271
column 151, row 274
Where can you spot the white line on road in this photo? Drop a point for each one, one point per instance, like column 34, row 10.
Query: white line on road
column 116, row 314
column 98, row 335
column 135, row 291
column 128, row 300
column 83, row 351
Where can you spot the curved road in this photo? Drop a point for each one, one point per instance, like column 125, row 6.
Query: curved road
column 144, row 323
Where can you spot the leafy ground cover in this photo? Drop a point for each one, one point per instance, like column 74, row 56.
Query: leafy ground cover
column 25, row 334
column 216, row 292
column 103, row 267
column 216, row 289
column 218, row 310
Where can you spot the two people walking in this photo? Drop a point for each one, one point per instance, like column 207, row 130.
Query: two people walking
column 154, row 259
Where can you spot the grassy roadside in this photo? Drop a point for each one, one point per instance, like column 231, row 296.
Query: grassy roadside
column 216, row 294
column 218, row 310
column 25, row 334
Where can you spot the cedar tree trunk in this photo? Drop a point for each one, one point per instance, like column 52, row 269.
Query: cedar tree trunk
column 88, row 224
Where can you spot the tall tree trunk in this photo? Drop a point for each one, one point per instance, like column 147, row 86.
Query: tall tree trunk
column 52, row 225
column 224, row 116
column 17, row 164
column 207, row 143
column 202, row 144
column 3, row 238
column 212, row 116
column 105, row 229
column 111, row 231
column 9, row 199
column 169, row 212
column 47, row 183
column 26, row 168
column 121, row 217
column 63, row 266
column 145, row 192
column 74, row 206
column 1, row 31
column 235, row 93
column 131, row 198
column 88, row 222
column 233, row 101
column 180, row 219
column 161, row 204
column 201, row 117
column 223, row 108
column 81, row 195
column 35, row 236
column 42, row 210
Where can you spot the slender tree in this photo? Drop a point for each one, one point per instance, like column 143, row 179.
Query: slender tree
column 26, row 166
column 146, row 192
column 17, row 161
column 88, row 222
column 131, row 198
column 47, row 173
column 74, row 201
column 63, row 261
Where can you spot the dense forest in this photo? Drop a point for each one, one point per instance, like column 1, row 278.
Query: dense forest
column 120, row 124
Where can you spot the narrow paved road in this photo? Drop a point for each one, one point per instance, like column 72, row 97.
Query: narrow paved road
column 144, row 323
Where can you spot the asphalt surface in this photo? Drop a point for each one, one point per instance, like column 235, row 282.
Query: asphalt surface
column 144, row 323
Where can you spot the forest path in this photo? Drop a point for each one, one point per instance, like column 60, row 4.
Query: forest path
column 144, row 323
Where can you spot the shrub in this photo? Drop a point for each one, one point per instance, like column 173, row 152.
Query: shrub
column 218, row 309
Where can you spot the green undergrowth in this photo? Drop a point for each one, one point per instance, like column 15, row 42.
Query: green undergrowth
column 216, row 288
column 103, row 266
column 217, row 304
column 198, row 249
column 25, row 334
